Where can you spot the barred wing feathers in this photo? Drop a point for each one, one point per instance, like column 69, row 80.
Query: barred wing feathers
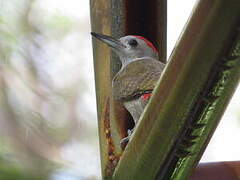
column 136, row 78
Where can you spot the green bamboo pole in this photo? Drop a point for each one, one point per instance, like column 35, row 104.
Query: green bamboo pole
column 192, row 91
column 101, row 22
column 211, row 115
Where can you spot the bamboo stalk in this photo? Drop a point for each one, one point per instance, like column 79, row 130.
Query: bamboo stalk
column 101, row 8
column 192, row 92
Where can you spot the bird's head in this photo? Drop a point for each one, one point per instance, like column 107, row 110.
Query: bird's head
column 129, row 48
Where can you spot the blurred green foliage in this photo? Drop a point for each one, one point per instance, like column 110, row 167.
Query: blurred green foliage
column 41, row 107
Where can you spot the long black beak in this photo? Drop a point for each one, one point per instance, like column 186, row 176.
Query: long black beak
column 110, row 41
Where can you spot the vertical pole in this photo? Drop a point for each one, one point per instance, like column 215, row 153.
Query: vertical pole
column 119, row 18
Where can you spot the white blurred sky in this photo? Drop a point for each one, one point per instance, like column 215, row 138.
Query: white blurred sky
column 222, row 146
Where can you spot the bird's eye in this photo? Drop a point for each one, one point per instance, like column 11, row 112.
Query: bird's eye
column 133, row 42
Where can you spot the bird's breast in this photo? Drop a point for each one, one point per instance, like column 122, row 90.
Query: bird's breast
column 137, row 106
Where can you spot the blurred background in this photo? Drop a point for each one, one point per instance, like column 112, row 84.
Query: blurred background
column 48, row 123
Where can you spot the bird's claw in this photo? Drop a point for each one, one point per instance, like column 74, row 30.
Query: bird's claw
column 129, row 132
column 125, row 140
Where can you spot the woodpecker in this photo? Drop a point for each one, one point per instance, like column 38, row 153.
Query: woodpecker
column 140, row 71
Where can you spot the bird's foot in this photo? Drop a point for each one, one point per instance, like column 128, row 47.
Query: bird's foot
column 125, row 140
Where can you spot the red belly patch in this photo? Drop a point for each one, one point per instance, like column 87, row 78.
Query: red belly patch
column 146, row 96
